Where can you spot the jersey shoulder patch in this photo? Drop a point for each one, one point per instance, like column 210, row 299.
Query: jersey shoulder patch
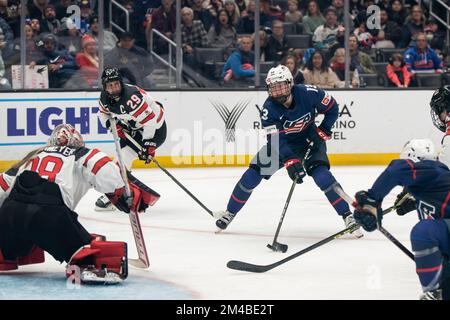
column 81, row 152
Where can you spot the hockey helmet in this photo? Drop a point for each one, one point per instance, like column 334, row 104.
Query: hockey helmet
column 419, row 149
column 440, row 102
column 279, row 82
column 112, row 74
column 66, row 135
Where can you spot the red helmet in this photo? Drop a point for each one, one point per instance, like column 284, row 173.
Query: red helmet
column 66, row 135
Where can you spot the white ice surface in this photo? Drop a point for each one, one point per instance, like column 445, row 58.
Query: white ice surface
column 188, row 260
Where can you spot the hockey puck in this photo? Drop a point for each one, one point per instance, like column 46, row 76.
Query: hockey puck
column 278, row 247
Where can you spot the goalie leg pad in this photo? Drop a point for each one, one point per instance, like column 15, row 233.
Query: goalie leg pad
column 7, row 265
column 112, row 256
column 102, row 257
column 34, row 257
column 98, row 237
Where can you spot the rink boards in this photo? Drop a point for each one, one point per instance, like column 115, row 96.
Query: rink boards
column 221, row 128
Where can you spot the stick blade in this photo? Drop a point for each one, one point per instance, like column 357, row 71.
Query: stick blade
column 277, row 247
column 137, row 263
column 244, row 266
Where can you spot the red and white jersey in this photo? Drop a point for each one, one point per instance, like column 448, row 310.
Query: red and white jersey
column 135, row 108
column 444, row 154
column 6, row 181
column 75, row 171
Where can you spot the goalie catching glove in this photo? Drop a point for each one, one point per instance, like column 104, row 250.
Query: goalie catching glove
column 141, row 197
column 368, row 211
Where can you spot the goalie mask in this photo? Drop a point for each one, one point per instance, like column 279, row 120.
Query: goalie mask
column 439, row 103
column 418, row 150
column 279, row 82
column 66, row 135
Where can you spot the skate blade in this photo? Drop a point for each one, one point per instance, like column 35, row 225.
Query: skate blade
column 109, row 208
column 91, row 278
column 357, row 234
column 218, row 231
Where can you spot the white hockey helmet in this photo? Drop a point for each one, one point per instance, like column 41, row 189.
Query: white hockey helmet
column 66, row 135
column 279, row 82
column 419, row 149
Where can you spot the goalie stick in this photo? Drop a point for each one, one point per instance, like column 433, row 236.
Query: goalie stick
column 249, row 267
column 143, row 261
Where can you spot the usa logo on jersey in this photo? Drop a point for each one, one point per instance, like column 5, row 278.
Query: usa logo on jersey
column 298, row 124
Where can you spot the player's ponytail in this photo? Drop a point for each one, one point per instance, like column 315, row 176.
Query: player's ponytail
column 30, row 156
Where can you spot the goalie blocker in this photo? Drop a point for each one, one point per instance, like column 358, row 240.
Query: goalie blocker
column 142, row 196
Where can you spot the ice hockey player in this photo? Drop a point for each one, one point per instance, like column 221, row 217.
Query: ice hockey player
column 140, row 121
column 440, row 115
column 37, row 199
column 428, row 181
column 288, row 116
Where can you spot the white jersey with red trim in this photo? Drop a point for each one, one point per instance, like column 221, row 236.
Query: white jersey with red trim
column 444, row 154
column 6, row 181
column 75, row 171
column 135, row 108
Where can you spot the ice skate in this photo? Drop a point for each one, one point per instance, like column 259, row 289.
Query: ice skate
column 225, row 220
column 349, row 220
column 104, row 276
column 103, row 204
column 432, row 295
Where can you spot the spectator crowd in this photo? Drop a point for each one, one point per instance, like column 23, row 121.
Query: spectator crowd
column 218, row 41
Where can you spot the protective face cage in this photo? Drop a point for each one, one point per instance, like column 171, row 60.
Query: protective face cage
column 66, row 135
column 437, row 122
column 439, row 103
column 280, row 91
column 110, row 75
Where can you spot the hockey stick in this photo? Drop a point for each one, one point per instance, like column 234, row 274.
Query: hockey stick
column 183, row 187
column 131, row 139
column 276, row 246
column 386, row 233
column 244, row 266
column 143, row 261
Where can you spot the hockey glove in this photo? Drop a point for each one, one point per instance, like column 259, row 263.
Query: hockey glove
column 120, row 128
column 405, row 203
column 148, row 150
column 120, row 132
column 320, row 134
column 323, row 133
column 295, row 170
column 368, row 211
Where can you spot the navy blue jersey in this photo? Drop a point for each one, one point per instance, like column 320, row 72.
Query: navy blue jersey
column 295, row 124
column 428, row 181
